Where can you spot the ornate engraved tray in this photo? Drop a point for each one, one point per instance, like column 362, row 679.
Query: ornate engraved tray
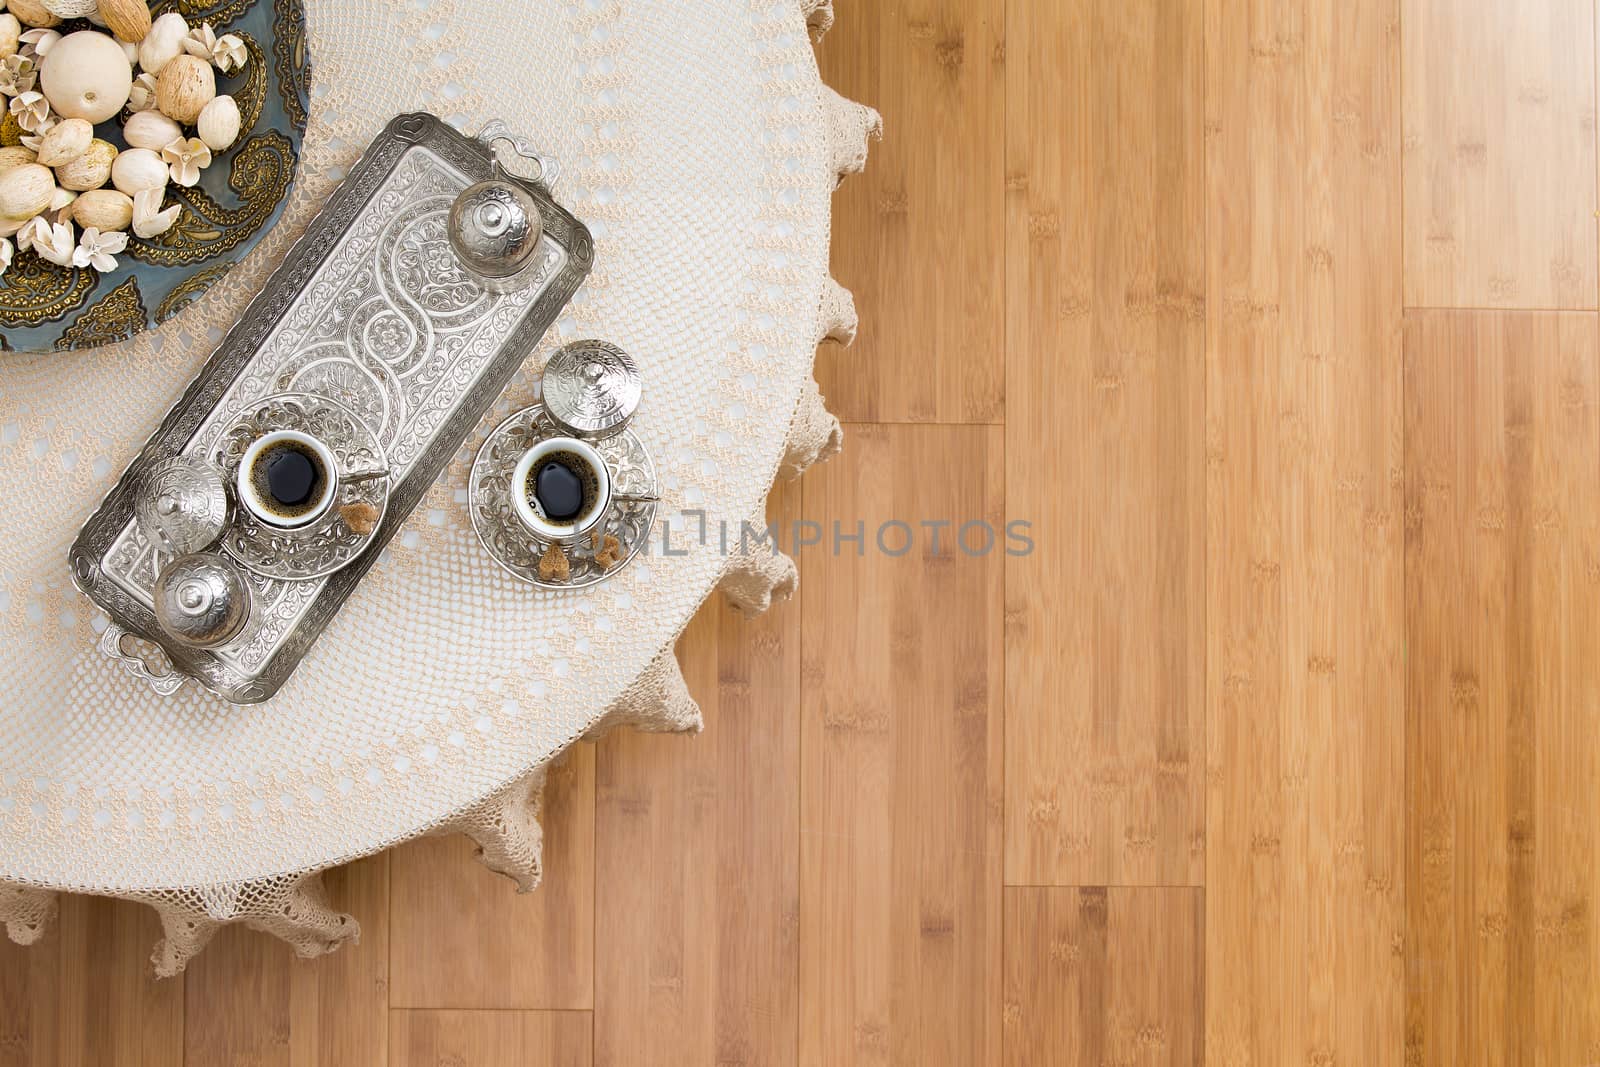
column 369, row 309
column 44, row 307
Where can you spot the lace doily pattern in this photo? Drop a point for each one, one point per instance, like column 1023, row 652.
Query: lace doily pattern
column 215, row 815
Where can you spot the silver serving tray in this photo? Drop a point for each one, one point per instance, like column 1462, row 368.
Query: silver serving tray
column 370, row 309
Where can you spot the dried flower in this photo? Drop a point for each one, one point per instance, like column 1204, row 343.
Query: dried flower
column 5, row 254
column 18, row 74
column 32, row 141
column 37, row 43
column 32, row 110
column 52, row 242
column 35, row 226
column 148, row 218
column 187, row 158
column 227, row 52
column 99, row 250
column 142, row 97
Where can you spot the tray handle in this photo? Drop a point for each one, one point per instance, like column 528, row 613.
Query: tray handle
column 164, row 683
column 531, row 165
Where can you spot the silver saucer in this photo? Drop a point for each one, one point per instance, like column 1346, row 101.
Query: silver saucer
column 513, row 545
column 320, row 548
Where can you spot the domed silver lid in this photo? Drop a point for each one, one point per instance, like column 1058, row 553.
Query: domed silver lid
column 181, row 505
column 495, row 228
column 591, row 388
column 202, row 600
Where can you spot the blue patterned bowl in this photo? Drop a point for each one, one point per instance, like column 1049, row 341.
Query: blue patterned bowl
column 44, row 307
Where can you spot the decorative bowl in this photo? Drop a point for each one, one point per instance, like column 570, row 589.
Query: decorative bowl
column 44, row 307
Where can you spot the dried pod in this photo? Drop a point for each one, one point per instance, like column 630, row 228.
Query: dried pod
column 130, row 51
column 150, row 129
column 90, row 170
column 86, row 76
column 218, row 124
column 14, row 156
column 33, row 13
column 66, row 141
column 184, row 87
column 128, row 19
column 10, row 35
column 138, row 169
column 26, row 190
column 10, row 129
column 103, row 209
column 70, row 9
column 163, row 43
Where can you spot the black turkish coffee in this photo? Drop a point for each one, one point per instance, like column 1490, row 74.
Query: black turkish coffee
column 289, row 479
column 562, row 487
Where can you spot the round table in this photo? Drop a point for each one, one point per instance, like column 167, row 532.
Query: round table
column 701, row 149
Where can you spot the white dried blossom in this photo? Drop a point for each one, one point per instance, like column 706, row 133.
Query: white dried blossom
column 148, row 218
column 187, row 158
column 32, row 110
column 6, row 253
column 227, row 52
column 30, row 229
column 142, row 96
column 18, row 74
column 99, row 250
column 32, row 141
column 37, row 42
column 51, row 242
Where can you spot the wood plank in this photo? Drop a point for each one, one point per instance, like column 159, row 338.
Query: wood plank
column 1098, row 976
column 1500, row 154
column 697, row 876
column 464, row 938
column 1502, row 562
column 1104, row 444
column 252, row 1003
column 1304, row 592
column 490, row 1038
column 901, row 828
column 86, row 995
column 917, row 236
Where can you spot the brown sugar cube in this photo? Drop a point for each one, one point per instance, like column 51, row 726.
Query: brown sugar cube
column 362, row 518
column 553, row 565
column 606, row 551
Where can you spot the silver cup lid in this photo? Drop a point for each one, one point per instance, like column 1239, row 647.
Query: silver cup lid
column 494, row 228
column 202, row 600
column 181, row 505
column 591, row 388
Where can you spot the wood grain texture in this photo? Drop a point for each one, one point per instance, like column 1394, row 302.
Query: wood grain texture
column 1502, row 567
column 251, row 1003
column 1098, row 976
column 517, row 951
column 1304, row 589
column 489, row 1038
column 1500, row 154
column 697, row 876
column 901, row 827
column 1104, row 444
column 927, row 266
column 86, row 996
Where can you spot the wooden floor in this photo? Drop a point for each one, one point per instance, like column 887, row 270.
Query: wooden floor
column 1277, row 319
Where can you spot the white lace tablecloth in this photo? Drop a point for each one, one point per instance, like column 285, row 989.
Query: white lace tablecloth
column 701, row 148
